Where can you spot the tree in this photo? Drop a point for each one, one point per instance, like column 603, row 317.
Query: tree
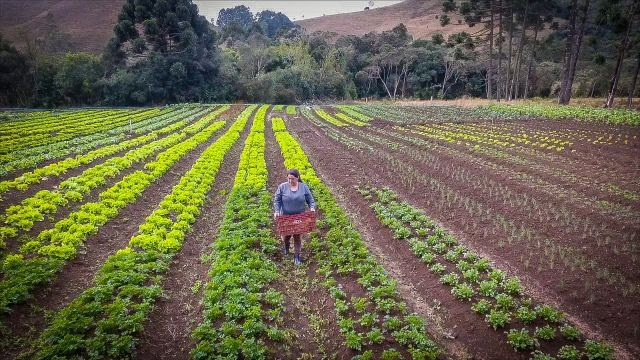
column 272, row 22
column 572, row 51
column 632, row 88
column 177, row 60
column 621, row 17
column 241, row 15
column 15, row 85
column 77, row 77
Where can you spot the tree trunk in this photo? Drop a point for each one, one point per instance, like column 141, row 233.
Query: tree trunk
column 565, row 92
column 616, row 73
column 489, row 74
column 506, row 85
column 499, row 77
column 516, row 76
column 632, row 90
column 576, row 50
column 531, row 56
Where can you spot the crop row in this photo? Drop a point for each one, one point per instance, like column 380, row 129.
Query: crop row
column 403, row 115
column 501, row 153
column 611, row 136
column 51, row 122
column 27, row 179
column 474, row 280
column 580, row 113
column 96, row 125
column 41, row 258
column 485, row 188
column 353, row 112
column 461, row 133
column 329, row 118
column 379, row 317
column 27, row 158
column 46, row 202
column 106, row 319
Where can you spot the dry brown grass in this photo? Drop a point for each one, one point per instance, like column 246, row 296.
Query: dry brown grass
column 88, row 23
column 418, row 15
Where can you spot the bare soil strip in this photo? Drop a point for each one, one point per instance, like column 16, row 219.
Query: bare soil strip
column 25, row 322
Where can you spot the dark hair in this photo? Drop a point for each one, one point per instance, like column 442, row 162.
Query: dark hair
column 295, row 173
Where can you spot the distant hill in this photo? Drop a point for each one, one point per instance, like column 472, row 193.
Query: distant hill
column 421, row 17
column 89, row 23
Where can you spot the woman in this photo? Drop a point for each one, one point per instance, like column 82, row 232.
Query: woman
column 290, row 198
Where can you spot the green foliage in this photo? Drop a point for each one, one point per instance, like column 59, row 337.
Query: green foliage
column 521, row 339
column 570, row 332
column 463, row 291
column 482, row 307
column 549, row 314
column 526, row 314
column 498, row 318
column 598, row 351
column 569, row 352
column 546, row 332
column 580, row 113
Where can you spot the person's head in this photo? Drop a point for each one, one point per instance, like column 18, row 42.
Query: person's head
column 293, row 176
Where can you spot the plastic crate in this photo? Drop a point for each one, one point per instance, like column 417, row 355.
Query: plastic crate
column 296, row 224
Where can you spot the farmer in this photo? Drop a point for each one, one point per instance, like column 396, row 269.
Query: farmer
column 290, row 198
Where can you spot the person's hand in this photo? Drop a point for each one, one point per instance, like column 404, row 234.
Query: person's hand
column 312, row 209
column 275, row 215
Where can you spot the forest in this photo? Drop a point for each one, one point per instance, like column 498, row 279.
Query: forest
column 164, row 51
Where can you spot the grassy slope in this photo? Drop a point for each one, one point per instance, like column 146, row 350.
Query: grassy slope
column 89, row 23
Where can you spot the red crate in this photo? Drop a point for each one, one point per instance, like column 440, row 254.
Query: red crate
column 296, row 224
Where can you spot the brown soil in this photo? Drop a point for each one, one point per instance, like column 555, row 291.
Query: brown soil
column 167, row 331
column 78, row 274
column 348, row 170
column 565, row 235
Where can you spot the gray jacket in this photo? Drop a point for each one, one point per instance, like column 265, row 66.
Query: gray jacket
column 289, row 202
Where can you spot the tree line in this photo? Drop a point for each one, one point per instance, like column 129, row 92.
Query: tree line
column 163, row 51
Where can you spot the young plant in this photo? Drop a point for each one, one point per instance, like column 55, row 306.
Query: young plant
column 546, row 333
column 569, row 352
column 481, row 307
column 498, row 318
column 570, row 332
column 521, row 340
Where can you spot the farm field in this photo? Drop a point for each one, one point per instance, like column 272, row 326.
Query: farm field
column 444, row 232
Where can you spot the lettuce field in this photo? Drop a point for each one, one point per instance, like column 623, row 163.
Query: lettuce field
column 492, row 232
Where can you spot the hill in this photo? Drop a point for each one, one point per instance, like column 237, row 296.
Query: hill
column 89, row 24
column 421, row 18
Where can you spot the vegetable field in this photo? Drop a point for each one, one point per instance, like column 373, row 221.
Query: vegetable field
column 496, row 232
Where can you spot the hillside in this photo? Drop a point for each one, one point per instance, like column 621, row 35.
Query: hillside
column 88, row 23
column 418, row 15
